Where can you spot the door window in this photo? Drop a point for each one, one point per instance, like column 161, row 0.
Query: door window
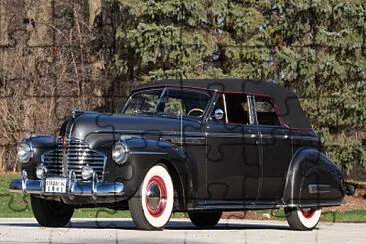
column 237, row 108
column 266, row 112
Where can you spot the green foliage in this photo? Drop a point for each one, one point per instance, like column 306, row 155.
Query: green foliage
column 348, row 154
column 316, row 48
column 321, row 49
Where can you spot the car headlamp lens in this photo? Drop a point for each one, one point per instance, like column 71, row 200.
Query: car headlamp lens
column 25, row 152
column 119, row 152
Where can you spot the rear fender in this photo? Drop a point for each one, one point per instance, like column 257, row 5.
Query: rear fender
column 313, row 180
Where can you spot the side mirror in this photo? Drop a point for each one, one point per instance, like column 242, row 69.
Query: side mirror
column 219, row 114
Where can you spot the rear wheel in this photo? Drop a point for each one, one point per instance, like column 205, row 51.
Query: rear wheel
column 303, row 218
column 152, row 205
column 51, row 213
column 204, row 220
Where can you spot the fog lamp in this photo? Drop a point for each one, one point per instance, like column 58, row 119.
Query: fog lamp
column 86, row 173
column 40, row 172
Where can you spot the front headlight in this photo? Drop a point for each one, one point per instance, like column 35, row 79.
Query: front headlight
column 119, row 153
column 25, row 151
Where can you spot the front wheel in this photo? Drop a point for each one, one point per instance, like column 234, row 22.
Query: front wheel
column 303, row 218
column 51, row 213
column 152, row 205
column 204, row 220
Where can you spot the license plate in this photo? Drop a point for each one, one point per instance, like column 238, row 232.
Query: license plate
column 56, row 185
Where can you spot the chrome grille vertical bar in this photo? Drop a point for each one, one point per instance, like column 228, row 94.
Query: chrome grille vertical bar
column 77, row 155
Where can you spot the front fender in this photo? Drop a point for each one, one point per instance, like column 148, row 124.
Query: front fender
column 143, row 154
column 41, row 143
column 313, row 180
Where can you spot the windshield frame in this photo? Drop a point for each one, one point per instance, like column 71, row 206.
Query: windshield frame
column 164, row 91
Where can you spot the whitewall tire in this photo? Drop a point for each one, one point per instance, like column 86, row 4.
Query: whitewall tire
column 152, row 205
column 303, row 218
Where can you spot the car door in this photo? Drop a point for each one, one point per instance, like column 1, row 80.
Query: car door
column 232, row 153
column 276, row 149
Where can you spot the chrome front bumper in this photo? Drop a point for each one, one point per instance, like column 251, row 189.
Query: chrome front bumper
column 91, row 188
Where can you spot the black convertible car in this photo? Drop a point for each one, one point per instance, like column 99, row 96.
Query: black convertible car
column 195, row 146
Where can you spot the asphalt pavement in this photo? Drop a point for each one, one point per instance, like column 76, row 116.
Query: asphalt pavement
column 27, row 230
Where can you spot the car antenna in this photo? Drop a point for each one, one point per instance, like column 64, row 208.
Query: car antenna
column 181, row 129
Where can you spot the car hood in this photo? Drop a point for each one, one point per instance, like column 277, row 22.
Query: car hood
column 88, row 123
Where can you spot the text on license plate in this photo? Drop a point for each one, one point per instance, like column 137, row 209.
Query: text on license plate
column 56, row 185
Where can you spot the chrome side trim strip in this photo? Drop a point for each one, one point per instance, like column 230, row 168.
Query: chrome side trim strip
column 158, row 132
column 320, row 204
column 147, row 153
column 184, row 140
column 276, row 136
column 235, row 135
column 234, row 207
column 202, row 134
column 318, row 188
column 307, row 138
column 261, row 205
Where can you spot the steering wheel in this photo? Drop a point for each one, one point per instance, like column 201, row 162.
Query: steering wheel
column 197, row 110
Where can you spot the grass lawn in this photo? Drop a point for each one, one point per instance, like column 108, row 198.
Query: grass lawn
column 15, row 205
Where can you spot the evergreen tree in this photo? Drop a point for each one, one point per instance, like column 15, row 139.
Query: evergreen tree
column 322, row 56
column 314, row 47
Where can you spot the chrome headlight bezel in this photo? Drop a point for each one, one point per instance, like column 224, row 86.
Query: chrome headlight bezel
column 120, row 152
column 25, row 151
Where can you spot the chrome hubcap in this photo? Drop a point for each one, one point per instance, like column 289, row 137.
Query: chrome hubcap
column 156, row 196
column 308, row 213
column 153, row 196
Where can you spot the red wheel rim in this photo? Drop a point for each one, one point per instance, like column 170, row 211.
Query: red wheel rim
column 156, row 196
column 308, row 213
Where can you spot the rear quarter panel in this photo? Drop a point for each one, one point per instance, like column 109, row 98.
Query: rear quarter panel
column 309, row 167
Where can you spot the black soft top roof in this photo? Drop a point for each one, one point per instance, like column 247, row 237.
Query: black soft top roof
column 286, row 101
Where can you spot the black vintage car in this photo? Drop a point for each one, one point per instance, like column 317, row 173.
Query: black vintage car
column 195, row 146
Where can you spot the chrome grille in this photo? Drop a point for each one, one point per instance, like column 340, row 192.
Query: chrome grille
column 77, row 154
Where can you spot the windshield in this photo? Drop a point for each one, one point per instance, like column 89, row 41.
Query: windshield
column 168, row 102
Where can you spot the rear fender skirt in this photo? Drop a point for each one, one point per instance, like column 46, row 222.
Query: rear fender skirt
column 313, row 180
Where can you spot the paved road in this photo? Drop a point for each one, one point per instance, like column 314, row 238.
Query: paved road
column 178, row 231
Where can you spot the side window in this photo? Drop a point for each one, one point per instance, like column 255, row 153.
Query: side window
column 237, row 108
column 266, row 112
column 172, row 103
column 144, row 101
column 189, row 102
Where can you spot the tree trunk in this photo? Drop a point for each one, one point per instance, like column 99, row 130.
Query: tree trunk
column 39, row 15
column 95, row 8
